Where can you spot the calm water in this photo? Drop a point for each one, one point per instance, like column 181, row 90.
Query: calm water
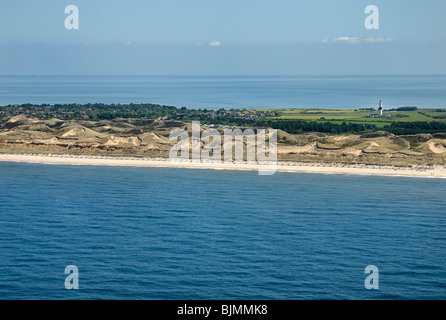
column 230, row 92
column 160, row 233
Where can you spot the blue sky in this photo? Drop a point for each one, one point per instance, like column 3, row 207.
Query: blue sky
column 228, row 37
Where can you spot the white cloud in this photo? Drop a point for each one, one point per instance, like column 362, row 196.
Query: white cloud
column 215, row 43
column 373, row 40
column 325, row 40
column 351, row 40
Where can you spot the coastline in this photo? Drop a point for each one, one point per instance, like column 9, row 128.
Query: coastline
column 298, row 167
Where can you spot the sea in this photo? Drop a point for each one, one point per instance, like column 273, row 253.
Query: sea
column 167, row 233
column 195, row 234
column 215, row 92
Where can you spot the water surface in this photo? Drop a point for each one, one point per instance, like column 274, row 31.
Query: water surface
column 166, row 233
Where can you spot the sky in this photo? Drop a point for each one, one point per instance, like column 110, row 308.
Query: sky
column 222, row 37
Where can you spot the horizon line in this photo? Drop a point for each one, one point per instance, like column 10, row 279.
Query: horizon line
column 226, row 75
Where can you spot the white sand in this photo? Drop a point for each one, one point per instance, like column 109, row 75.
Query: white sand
column 435, row 172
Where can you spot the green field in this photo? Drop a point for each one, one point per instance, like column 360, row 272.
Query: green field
column 361, row 116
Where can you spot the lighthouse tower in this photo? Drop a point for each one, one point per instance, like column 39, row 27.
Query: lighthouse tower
column 380, row 109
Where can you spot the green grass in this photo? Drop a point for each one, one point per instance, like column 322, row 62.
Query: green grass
column 359, row 116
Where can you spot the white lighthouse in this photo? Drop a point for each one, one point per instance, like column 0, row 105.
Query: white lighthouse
column 380, row 109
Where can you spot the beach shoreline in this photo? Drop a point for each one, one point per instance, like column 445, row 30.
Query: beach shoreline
column 302, row 167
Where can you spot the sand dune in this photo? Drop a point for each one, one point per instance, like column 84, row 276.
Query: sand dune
column 147, row 138
column 289, row 149
column 436, row 147
column 115, row 141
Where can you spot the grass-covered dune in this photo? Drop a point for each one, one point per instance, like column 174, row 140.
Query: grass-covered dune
column 150, row 138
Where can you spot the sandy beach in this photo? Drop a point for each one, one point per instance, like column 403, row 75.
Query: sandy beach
column 325, row 168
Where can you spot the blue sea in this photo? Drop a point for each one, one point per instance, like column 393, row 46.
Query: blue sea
column 213, row 92
column 166, row 233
